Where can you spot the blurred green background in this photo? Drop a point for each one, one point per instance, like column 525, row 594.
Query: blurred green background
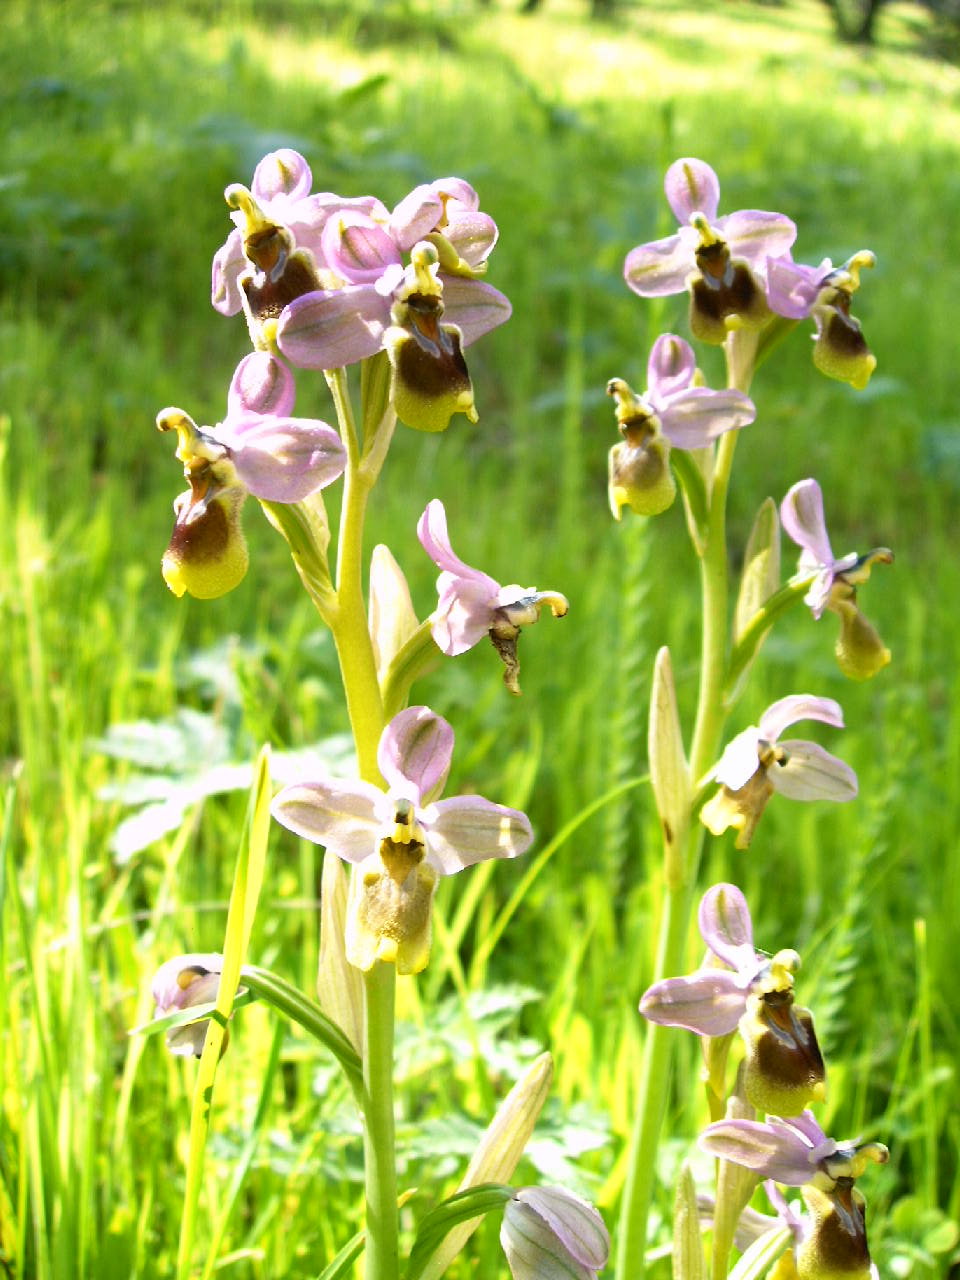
column 121, row 127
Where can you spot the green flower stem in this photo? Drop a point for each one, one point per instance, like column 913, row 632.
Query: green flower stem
column 674, row 923
column 379, row 1139
column 365, row 707
column 349, row 621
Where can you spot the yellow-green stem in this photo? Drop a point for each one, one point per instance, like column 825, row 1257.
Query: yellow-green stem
column 365, row 707
column 658, row 1045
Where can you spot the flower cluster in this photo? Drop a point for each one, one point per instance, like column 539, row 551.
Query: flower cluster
column 740, row 274
column 323, row 277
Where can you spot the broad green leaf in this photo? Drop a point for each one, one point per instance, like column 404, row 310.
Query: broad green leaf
column 761, row 568
column 465, row 1206
column 341, row 1264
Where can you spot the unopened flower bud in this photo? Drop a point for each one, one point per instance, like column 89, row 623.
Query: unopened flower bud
column 548, row 1231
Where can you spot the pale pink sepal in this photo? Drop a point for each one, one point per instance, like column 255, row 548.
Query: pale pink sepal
column 726, row 927
column 798, row 706
column 671, row 366
column 415, row 753
column 661, row 267
column 757, row 234
column 261, row 384
column 692, row 419
column 709, row 1002
column 343, row 816
column 333, row 327
column 811, row 773
column 469, row 829
column 692, row 187
column 576, row 1223
column 282, row 459
column 229, row 264
column 474, row 306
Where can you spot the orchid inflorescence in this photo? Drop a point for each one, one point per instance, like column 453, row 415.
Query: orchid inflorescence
column 328, row 282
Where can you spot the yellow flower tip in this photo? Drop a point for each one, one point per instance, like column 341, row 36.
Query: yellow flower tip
column 559, row 604
column 864, row 373
column 173, row 576
column 387, row 950
column 708, row 236
column 241, row 198
column 172, row 419
column 818, row 1091
column 618, row 500
column 865, row 258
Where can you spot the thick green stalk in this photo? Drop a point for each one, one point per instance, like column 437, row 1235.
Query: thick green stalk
column 382, row 1257
column 658, row 1045
column 365, row 707
column 349, row 622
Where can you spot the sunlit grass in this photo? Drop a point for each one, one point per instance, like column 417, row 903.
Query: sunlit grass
column 122, row 128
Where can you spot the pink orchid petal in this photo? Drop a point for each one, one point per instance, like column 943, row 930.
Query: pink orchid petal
column 740, row 759
column 780, row 1154
column 416, row 748
column 468, row 829
column 810, row 773
column 460, row 196
column 792, row 287
column 692, row 419
column 709, row 1002
column 692, row 187
column 660, row 267
column 432, row 532
column 355, row 247
column 229, row 264
column 282, row 459
column 473, row 235
column 416, row 216
column 757, row 234
column 463, row 616
column 343, row 816
column 473, row 306
column 802, row 515
column 333, row 327
column 796, row 707
column 261, row 384
column 726, row 927
column 283, row 175
column 575, row 1223
column 670, row 368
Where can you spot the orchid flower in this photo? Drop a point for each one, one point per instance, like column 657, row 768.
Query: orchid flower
column 740, row 988
column 797, row 291
column 860, row 651
column 755, row 764
column 548, row 1233
column 831, row 1240
column 674, row 412
column 402, row 839
column 720, row 260
column 471, row 604
column 183, row 983
column 258, row 449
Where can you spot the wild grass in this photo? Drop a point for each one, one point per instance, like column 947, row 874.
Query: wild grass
column 121, row 127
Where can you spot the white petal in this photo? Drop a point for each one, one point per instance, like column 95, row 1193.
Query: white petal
column 810, row 773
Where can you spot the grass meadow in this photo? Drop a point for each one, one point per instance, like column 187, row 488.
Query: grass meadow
column 127, row 717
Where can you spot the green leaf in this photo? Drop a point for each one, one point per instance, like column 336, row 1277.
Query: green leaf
column 292, row 1003
column 247, row 879
column 745, row 649
column 762, row 1254
column 668, row 768
column 695, row 495
column 473, row 1203
column 345, row 1259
